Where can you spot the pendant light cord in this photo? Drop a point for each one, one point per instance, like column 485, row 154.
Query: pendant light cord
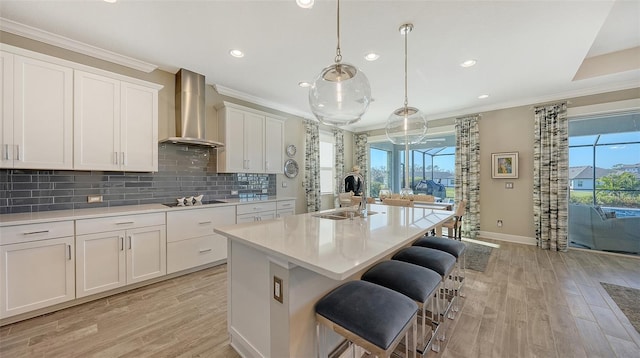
column 406, row 96
column 338, row 53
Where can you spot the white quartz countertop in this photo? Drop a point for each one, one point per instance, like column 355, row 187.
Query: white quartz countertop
column 337, row 248
column 62, row 215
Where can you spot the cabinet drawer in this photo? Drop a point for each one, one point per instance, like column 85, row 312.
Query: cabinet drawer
column 87, row 226
column 286, row 205
column 187, row 224
column 185, row 254
column 256, row 207
column 33, row 232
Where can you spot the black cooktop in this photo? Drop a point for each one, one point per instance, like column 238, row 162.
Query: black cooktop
column 198, row 203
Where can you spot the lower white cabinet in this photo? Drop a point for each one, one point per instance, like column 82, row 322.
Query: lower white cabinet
column 285, row 208
column 37, row 268
column 191, row 241
column 256, row 211
column 110, row 259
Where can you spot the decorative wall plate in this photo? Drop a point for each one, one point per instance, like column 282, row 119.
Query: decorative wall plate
column 290, row 168
column 291, row 150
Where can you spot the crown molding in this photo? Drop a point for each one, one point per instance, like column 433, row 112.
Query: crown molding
column 73, row 45
column 226, row 91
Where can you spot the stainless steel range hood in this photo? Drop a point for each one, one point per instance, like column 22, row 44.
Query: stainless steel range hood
column 190, row 111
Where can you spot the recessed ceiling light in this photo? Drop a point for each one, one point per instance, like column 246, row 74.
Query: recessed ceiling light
column 305, row 4
column 372, row 56
column 483, row 96
column 468, row 63
column 236, row 53
column 110, row 1
column 304, row 84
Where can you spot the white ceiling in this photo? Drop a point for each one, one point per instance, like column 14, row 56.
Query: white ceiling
column 527, row 51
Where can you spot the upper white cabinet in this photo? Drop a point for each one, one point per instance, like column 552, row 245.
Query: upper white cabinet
column 254, row 140
column 37, row 113
column 116, row 124
column 58, row 114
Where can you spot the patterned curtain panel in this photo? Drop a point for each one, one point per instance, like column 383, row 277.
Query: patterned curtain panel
column 338, row 135
column 468, row 172
column 550, row 176
column 312, row 165
column 362, row 157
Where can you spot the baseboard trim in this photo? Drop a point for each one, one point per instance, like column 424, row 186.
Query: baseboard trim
column 508, row 238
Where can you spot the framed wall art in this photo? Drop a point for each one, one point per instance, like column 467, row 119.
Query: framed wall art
column 504, row 165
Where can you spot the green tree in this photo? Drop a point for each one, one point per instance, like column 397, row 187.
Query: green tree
column 619, row 183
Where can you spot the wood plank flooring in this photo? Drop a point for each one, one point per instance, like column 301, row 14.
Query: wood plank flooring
column 528, row 303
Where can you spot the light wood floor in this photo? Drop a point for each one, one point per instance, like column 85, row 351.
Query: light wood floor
column 528, row 303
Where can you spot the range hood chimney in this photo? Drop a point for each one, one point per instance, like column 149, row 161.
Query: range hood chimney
column 190, row 111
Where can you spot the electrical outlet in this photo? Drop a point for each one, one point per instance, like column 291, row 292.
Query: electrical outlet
column 499, row 223
column 284, row 184
column 234, row 192
column 277, row 288
column 94, row 199
column 508, row 185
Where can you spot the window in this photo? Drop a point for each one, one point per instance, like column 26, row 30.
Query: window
column 327, row 160
column 431, row 165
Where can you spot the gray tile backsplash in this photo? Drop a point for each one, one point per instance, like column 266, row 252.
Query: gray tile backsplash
column 182, row 171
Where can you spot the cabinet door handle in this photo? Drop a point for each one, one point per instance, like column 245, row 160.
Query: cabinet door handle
column 202, row 251
column 115, row 158
column 130, row 242
column 36, row 232
column 266, row 164
column 6, row 152
column 124, row 223
column 69, row 252
column 121, row 243
column 205, row 222
column 123, row 159
column 17, row 151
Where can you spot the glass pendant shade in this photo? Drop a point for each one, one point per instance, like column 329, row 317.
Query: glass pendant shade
column 406, row 125
column 340, row 95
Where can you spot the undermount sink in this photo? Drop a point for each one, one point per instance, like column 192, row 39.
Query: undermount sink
column 342, row 214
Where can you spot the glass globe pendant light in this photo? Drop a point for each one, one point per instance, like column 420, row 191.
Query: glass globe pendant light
column 340, row 94
column 406, row 125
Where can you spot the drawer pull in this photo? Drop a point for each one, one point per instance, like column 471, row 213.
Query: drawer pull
column 202, row 251
column 205, row 222
column 125, row 223
column 36, row 232
column 285, row 205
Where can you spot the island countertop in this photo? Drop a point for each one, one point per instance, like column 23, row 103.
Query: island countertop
column 337, row 248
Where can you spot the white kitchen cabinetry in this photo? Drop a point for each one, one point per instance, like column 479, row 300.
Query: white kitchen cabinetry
column 256, row 211
column 285, row 208
column 115, row 124
column 273, row 145
column 36, row 266
column 37, row 114
column 254, row 141
column 120, row 250
column 191, row 241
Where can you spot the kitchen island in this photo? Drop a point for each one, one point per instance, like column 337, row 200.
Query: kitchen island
column 278, row 269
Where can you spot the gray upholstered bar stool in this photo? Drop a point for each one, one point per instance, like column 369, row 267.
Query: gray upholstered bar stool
column 368, row 315
column 418, row 283
column 455, row 248
column 436, row 260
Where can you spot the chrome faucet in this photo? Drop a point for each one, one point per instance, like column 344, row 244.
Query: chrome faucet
column 362, row 209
